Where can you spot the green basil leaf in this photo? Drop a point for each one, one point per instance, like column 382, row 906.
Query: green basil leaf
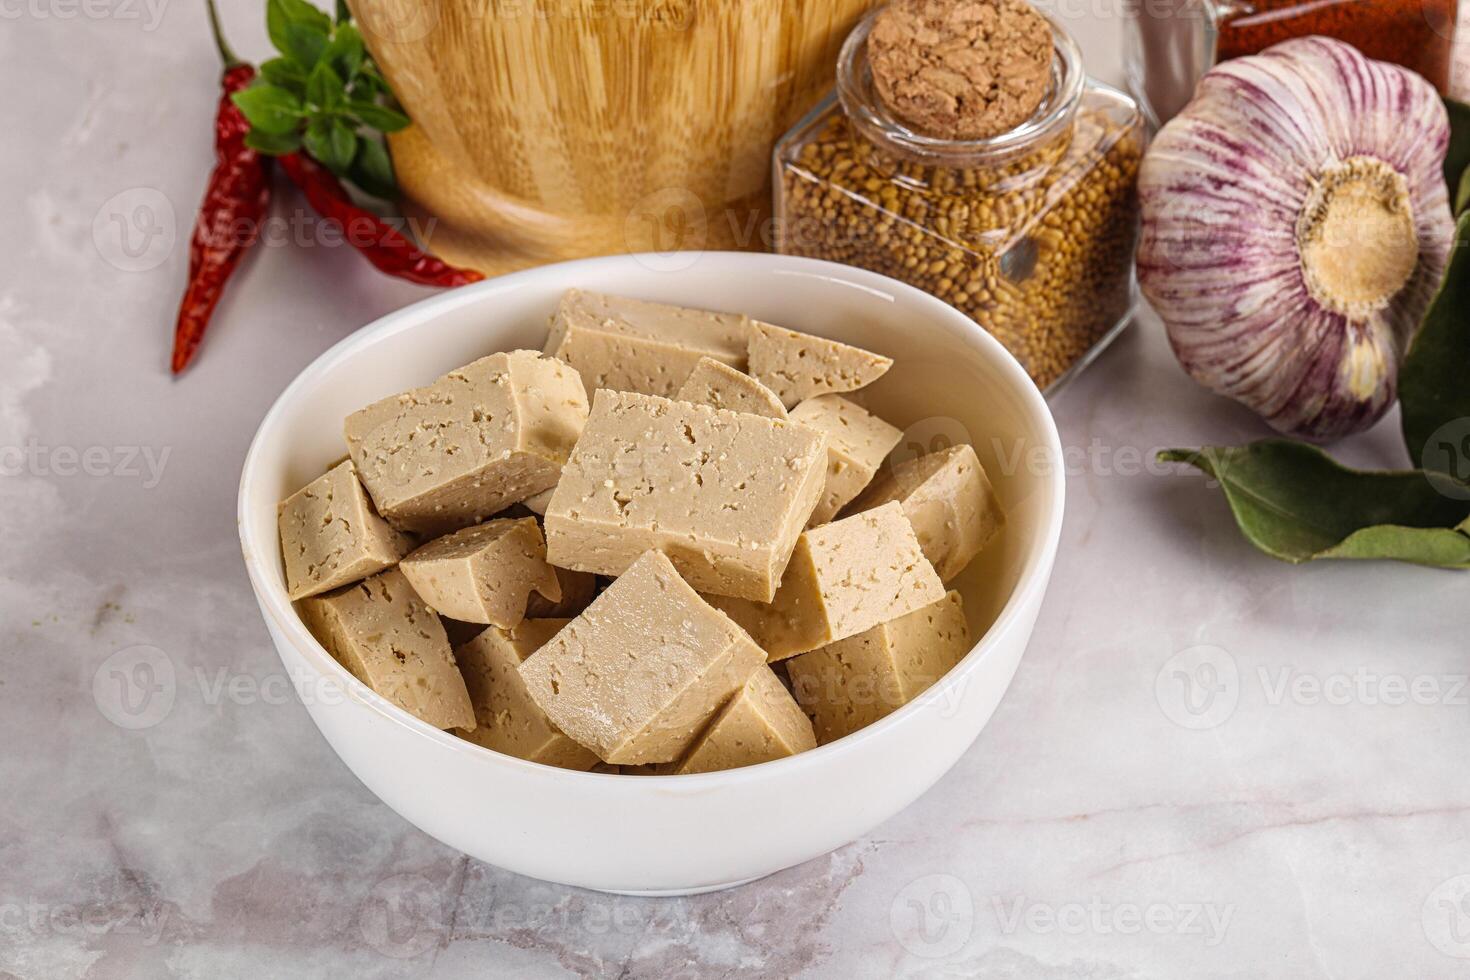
column 368, row 84
column 343, row 14
column 297, row 29
column 298, row 12
column 303, row 44
column 1293, row 502
column 273, row 144
column 323, row 88
column 378, row 116
column 345, row 52
column 285, row 73
column 1462, row 196
column 269, row 109
column 276, row 20
column 332, row 143
column 344, row 145
column 317, row 139
column 1457, row 160
column 1434, row 380
column 372, row 170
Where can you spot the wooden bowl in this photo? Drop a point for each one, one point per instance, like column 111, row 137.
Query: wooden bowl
column 553, row 129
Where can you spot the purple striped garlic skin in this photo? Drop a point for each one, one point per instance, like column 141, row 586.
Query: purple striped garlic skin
column 1296, row 225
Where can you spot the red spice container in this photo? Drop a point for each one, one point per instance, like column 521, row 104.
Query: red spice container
column 1417, row 34
column 1171, row 43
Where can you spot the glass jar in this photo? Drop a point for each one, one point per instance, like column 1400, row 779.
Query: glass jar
column 1171, row 43
column 1030, row 232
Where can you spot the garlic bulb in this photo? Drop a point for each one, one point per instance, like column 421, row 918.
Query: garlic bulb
column 1296, row 224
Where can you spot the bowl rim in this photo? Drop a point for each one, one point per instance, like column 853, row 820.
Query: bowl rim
column 1033, row 578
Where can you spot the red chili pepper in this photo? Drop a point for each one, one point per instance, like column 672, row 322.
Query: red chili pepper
column 235, row 202
column 384, row 246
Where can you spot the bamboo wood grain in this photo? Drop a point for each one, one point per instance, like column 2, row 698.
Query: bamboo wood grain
column 563, row 128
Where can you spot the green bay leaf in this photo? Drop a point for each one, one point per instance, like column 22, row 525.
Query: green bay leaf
column 1292, row 501
column 1442, row 547
column 1457, row 159
column 1434, row 381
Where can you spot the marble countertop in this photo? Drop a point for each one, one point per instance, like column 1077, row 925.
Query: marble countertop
column 1209, row 765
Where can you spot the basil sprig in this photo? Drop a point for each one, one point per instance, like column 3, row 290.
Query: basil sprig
column 324, row 94
column 1295, row 503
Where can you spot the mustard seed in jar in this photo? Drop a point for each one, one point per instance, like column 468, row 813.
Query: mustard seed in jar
column 1030, row 232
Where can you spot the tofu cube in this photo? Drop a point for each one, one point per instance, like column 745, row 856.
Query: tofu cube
column 718, row 385
column 485, row 573
column 844, row 578
column 798, row 366
column 760, row 723
column 381, row 631
column 857, row 444
column 638, row 675
column 853, row 682
column 723, row 494
column 443, row 457
column 634, row 345
column 331, row 536
column 949, row 501
column 507, row 719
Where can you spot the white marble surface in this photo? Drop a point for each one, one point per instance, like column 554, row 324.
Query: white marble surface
column 1309, row 821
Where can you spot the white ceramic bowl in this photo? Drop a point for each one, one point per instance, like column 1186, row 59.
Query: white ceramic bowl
column 951, row 382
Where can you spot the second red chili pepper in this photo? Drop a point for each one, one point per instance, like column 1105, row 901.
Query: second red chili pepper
column 383, row 245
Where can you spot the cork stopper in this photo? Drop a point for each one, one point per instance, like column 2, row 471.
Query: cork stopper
column 961, row 69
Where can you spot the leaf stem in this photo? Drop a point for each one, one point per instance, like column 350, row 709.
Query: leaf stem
column 227, row 55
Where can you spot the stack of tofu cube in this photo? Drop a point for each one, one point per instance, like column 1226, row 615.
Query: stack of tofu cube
column 708, row 565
